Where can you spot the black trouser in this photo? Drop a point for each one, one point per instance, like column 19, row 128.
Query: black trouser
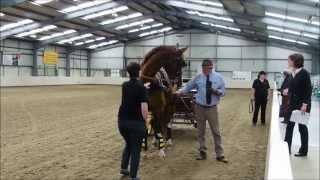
column 133, row 133
column 263, row 104
column 303, row 129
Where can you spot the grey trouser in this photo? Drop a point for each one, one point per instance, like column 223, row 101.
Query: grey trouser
column 211, row 114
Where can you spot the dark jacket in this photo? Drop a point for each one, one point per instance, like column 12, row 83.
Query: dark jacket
column 286, row 83
column 300, row 90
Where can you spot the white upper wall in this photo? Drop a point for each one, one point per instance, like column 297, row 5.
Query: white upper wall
column 232, row 54
column 111, row 58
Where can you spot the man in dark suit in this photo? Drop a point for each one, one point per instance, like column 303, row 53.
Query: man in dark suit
column 299, row 92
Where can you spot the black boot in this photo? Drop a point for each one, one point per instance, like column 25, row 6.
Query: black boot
column 202, row 155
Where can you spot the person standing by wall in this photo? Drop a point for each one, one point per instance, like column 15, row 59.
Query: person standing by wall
column 285, row 98
column 210, row 87
column 132, row 115
column 300, row 91
column 260, row 94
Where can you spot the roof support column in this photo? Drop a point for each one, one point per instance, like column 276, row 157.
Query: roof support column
column 89, row 61
column 35, row 60
column 68, row 63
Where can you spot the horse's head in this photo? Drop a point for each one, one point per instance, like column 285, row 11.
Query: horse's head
column 175, row 63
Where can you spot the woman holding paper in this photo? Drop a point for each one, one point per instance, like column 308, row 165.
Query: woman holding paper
column 299, row 92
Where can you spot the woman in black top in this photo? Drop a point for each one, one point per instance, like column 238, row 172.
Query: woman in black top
column 299, row 92
column 133, row 112
column 260, row 93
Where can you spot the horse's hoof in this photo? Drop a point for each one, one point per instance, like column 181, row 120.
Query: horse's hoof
column 169, row 142
column 162, row 154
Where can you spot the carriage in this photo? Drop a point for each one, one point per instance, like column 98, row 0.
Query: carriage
column 184, row 110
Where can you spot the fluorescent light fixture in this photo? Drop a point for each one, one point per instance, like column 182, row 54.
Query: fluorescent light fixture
column 133, row 30
column 205, row 23
column 33, row 36
column 106, row 12
column 292, row 32
column 103, row 44
column 122, row 18
column 284, row 17
column 221, row 26
column 83, row 6
column 210, row 16
column 310, row 36
column 79, row 43
column 39, row 2
column 70, row 40
column 275, row 28
column 303, row 43
column 283, row 30
column 157, row 25
column 100, row 38
column 137, row 23
column 57, row 35
column 207, row 3
column 145, row 28
column 13, row 25
column 38, row 30
column 1, row 14
column 155, row 31
column 288, row 40
column 317, row 23
column 89, row 41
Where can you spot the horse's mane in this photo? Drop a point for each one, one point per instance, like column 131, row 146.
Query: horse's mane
column 154, row 51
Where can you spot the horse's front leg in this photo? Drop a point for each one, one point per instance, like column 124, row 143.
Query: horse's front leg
column 157, row 126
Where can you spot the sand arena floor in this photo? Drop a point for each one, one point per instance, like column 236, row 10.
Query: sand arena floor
column 70, row 132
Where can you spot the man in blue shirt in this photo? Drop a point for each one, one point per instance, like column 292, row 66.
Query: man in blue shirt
column 210, row 87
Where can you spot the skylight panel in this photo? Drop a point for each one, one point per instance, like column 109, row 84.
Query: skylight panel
column 70, row 40
column 57, row 35
column 106, row 12
column 103, row 44
column 83, row 6
column 285, row 17
column 17, row 24
column 210, row 16
column 210, row 3
column 288, row 40
column 155, row 31
column 122, row 18
column 137, row 23
column 221, row 26
column 38, row 30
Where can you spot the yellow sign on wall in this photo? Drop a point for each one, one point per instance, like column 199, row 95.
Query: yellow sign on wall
column 50, row 57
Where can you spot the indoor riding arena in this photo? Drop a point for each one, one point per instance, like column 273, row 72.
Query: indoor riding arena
column 63, row 64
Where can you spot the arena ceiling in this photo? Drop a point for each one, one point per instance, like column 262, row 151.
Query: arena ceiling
column 94, row 24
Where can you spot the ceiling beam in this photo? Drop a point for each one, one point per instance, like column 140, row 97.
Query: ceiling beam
column 10, row 3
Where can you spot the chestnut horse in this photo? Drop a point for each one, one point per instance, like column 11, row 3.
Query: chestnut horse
column 161, row 99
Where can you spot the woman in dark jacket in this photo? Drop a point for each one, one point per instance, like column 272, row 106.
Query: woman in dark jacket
column 260, row 94
column 299, row 91
column 133, row 112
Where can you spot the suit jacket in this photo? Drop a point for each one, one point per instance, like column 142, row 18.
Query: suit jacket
column 300, row 90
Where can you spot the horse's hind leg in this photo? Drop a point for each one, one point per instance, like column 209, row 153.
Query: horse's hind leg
column 145, row 141
column 169, row 136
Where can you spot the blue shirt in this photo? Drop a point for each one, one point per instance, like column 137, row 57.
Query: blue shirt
column 199, row 83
